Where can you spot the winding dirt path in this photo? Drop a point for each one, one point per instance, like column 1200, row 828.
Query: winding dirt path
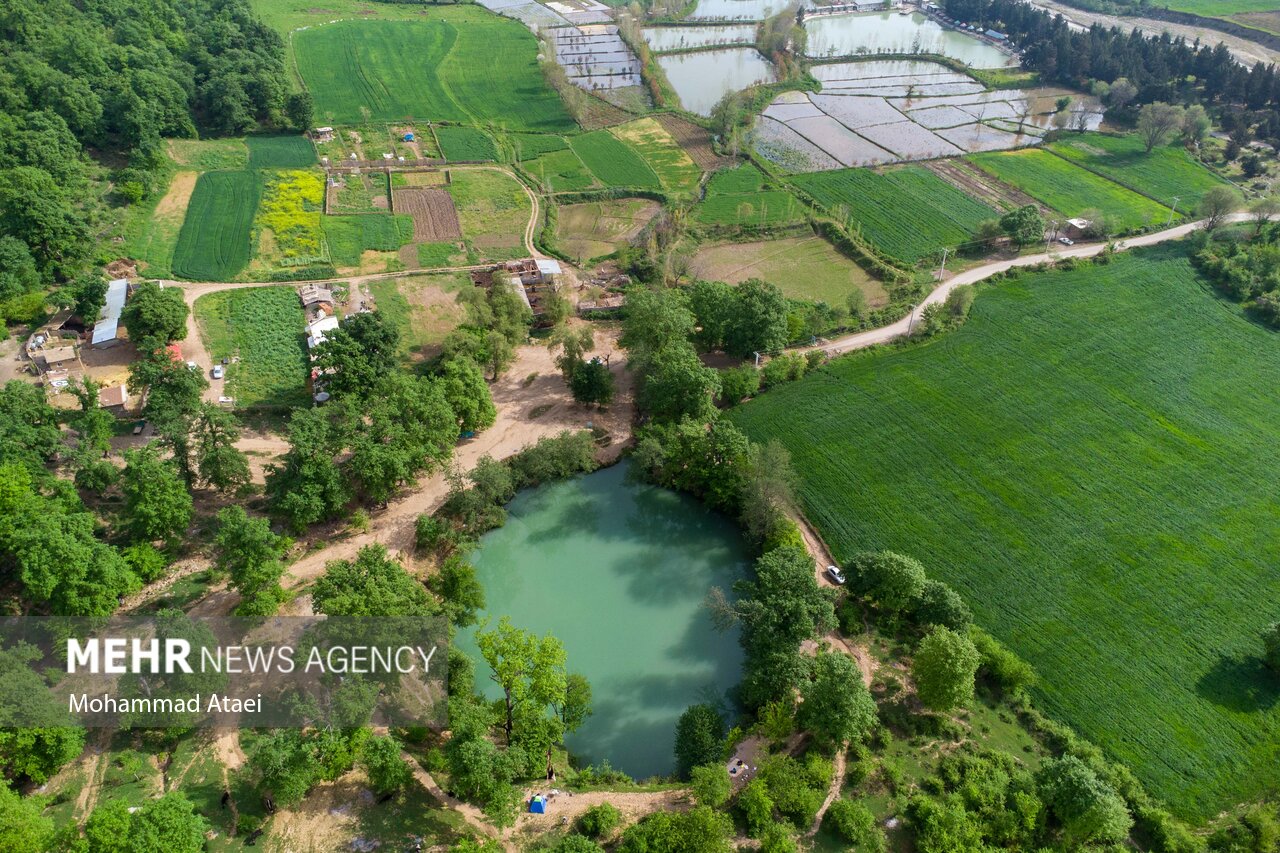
column 885, row 334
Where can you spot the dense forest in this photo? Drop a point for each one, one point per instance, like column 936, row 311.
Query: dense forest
column 1162, row 69
column 87, row 93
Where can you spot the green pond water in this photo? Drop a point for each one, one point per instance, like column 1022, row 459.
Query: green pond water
column 618, row 571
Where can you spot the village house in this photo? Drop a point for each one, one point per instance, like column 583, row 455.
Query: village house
column 106, row 332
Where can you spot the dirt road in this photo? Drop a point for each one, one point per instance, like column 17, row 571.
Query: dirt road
column 1246, row 52
column 885, row 334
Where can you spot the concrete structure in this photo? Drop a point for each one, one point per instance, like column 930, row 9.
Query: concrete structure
column 56, row 358
column 315, row 296
column 1076, row 229
column 106, row 332
column 317, row 331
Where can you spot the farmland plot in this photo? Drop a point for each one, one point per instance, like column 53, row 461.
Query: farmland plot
column 673, row 166
column 908, row 213
column 803, row 267
column 561, row 171
column 735, row 197
column 1165, row 172
column 1070, row 189
column 465, row 144
column 365, row 192
column 214, row 243
column 441, row 68
column 288, row 221
column 280, row 152
column 434, row 216
column 614, row 162
column 1089, row 461
column 595, row 229
column 493, row 212
column 349, row 237
column 264, row 328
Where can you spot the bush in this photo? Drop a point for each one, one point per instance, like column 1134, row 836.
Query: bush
column 757, row 807
column 939, row 604
column 784, row 368
column 778, row 840
column 944, row 669
column 959, row 301
column 854, row 823
column 738, row 383
column 1271, row 646
column 599, row 821
column 1003, row 669
column 699, row 738
column 797, row 789
column 429, row 532
column 555, row 458
column 146, row 561
column 892, row 581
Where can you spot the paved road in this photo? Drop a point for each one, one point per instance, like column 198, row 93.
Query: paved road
column 1246, row 52
column 884, row 334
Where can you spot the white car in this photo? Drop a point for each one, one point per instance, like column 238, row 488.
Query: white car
column 217, row 371
column 191, row 365
column 837, row 576
column 1066, row 241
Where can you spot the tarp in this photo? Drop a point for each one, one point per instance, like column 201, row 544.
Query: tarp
column 537, row 805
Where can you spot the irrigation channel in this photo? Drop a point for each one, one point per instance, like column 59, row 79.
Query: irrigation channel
column 618, row 572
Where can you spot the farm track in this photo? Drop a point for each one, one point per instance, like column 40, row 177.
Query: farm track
column 885, row 334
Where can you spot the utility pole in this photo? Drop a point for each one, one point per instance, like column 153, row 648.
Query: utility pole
column 757, row 355
column 942, row 270
column 911, row 320
column 1173, row 211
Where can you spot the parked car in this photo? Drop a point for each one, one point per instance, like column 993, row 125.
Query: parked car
column 139, row 427
column 191, row 365
column 1066, row 241
column 217, row 371
column 837, row 576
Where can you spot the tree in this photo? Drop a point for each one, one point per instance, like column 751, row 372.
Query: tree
column 1271, row 646
column 529, row 669
column 855, row 824
column 88, row 294
column 699, row 830
column 1157, row 122
column 167, row 825
column 155, row 314
column 893, row 581
column 387, row 771
column 655, row 318
column 466, row 392
column 757, row 807
column 575, row 707
column 1216, row 205
column 1122, row 93
column 837, row 706
column 458, row 588
column 359, row 353
column 299, row 107
column 944, row 668
column 592, row 382
column 251, row 554
column 371, row 585
column 32, row 753
column 699, row 738
column 939, row 604
column 1263, row 210
column 599, row 821
column 674, row 383
column 1088, row 808
column 738, row 383
column 711, row 785
column 23, row 827
column 758, row 319
column 157, row 503
column 574, row 342
column 217, row 462
column 1195, row 126
column 42, row 214
column 18, row 273
column 768, row 491
column 712, row 303
column 309, row 486
column 989, row 231
column 1024, row 225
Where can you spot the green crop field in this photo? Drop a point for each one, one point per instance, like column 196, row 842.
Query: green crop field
column 214, row 243
column 560, row 170
column 1070, row 189
column 1090, row 461
column 803, row 267
column 908, row 213
column 443, row 68
column 736, row 197
column 350, row 236
column 677, row 171
column 280, row 152
column 463, row 144
column 529, row 145
column 1166, row 172
column 265, row 327
column 493, row 212
column 614, row 162
column 1221, row 8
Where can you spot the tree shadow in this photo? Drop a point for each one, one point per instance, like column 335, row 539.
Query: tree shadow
column 1240, row 683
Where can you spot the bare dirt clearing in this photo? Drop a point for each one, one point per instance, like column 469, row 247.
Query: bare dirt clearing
column 435, row 218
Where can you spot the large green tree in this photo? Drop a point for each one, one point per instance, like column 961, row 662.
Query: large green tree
column 467, row 394
column 157, row 504
column 699, row 739
column 371, row 585
column 758, row 319
column 156, row 314
column 944, row 668
column 359, row 353
column 251, row 554
column 837, row 706
column 1088, row 808
column 529, row 669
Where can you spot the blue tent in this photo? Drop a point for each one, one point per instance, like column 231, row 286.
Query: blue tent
column 408, row 137
column 538, row 805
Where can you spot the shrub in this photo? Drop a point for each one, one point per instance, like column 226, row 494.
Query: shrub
column 1088, row 808
column 555, row 458
column 854, row 823
column 778, row 840
column 939, row 604
column 429, row 532
column 699, row 738
column 1010, row 674
column 711, row 785
column 959, row 301
column 738, row 383
column 145, row 560
column 1271, row 646
column 599, row 821
column 757, row 807
column 944, row 669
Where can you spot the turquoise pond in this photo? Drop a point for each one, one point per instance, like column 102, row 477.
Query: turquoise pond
column 618, row 572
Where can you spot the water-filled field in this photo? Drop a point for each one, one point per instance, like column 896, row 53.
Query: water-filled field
column 1090, row 462
column 686, row 38
column 702, row 79
column 618, row 571
column 892, row 32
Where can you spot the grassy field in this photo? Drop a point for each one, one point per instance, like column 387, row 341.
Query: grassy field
column 423, row 307
column 909, row 213
column 213, row 244
column 804, row 267
column 288, row 221
column 493, row 212
column 675, row 169
column 208, row 155
column 465, row 144
column 280, row 152
column 1090, row 461
column 1070, row 189
column 1221, row 8
column 613, row 162
column 562, row 171
column 527, row 146
column 600, row 228
column 265, row 327
column 1166, row 172
column 151, row 229
column 442, row 68
column 737, row 197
